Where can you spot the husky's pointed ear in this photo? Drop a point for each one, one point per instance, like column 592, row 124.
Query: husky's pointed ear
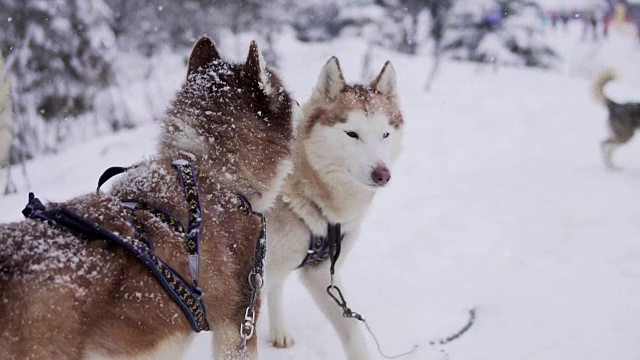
column 257, row 69
column 385, row 83
column 204, row 52
column 330, row 81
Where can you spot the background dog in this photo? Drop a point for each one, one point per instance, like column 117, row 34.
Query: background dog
column 65, row 297
column 623, row 119
column 349, row 138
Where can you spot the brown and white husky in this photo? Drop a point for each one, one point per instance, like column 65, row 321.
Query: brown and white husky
column 63, row 296
column 349, row 139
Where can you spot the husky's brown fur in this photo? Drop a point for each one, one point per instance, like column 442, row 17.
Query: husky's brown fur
column 623, row 119
column 66, row 297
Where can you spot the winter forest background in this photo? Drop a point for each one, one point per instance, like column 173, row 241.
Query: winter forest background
column 84, row 68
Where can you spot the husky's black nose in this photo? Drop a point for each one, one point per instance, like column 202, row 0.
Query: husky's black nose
column 380, row 175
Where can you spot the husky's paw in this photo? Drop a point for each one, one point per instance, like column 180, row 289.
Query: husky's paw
column 282, row 340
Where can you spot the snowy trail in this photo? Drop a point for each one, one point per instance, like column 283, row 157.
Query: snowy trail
column 500, row 201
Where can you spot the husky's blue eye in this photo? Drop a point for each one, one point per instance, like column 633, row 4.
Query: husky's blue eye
column 385, row 135
column 352, row 134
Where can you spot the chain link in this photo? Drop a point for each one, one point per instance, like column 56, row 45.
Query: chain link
column 336, row 295
column 247, row 326
column 255, row 280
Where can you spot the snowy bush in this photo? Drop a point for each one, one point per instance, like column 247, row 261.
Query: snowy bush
column 58, row 56
column 502, row 31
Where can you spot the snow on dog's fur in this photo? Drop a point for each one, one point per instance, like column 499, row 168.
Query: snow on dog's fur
column 348, row 140
column 66, row 297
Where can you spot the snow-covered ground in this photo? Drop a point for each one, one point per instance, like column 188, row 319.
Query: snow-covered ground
column 500, row 202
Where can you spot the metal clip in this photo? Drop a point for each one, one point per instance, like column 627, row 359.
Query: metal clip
column 255, row 281
column 247, row 325
column 339, row 299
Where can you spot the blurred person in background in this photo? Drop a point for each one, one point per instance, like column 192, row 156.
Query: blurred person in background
column 589, row 24
column 606, row 22
column 633, row 14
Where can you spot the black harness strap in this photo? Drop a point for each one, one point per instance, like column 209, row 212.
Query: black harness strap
column 187, row 298
column 335, row 236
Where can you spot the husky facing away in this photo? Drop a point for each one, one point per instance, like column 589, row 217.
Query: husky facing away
column 66, row 296
column 347, row 141
column 623, row 119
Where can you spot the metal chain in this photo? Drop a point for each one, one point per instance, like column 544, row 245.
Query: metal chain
column 247, row 326
column 255, row 280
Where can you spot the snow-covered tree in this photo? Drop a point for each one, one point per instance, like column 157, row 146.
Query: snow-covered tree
column 498, row 31
column 57, row 55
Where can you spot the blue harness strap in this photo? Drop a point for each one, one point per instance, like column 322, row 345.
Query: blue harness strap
column 320, row 246
column 186, row 296
column 130, row 207
column 190, row 185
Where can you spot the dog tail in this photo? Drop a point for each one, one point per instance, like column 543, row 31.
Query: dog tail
column 598, row 86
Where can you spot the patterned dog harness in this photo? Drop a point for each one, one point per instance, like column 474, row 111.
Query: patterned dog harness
column 319, row 246
column 187, row 295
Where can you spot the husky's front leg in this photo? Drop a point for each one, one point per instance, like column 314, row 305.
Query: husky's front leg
column 317, row 279
column 278, row 335
column 227, row 342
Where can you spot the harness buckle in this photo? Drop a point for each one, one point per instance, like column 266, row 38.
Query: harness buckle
column 194, row 267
